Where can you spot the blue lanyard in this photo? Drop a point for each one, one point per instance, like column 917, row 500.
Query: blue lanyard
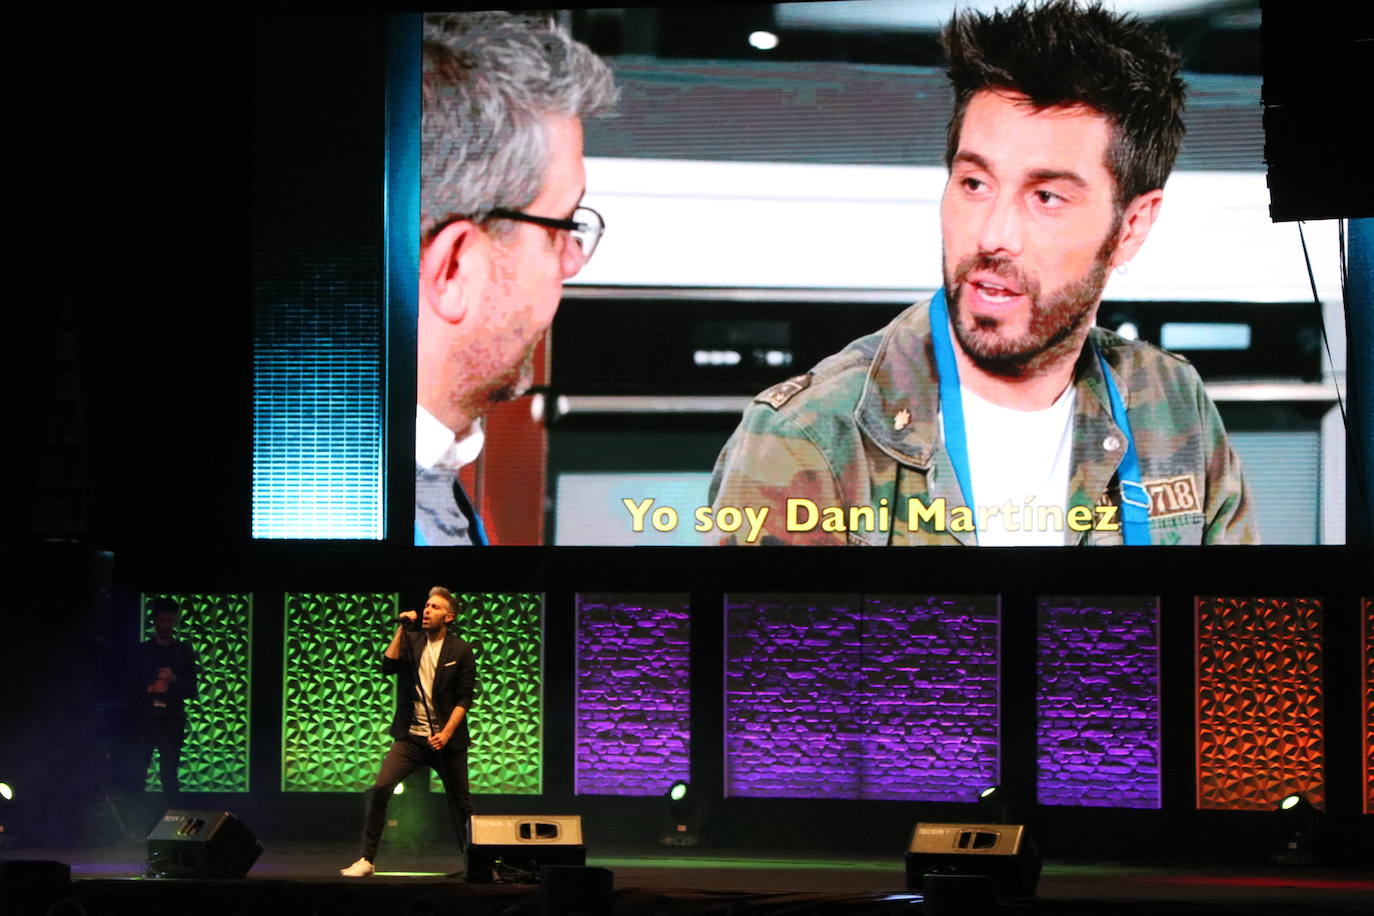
column 951, row 399
column 1135, row 501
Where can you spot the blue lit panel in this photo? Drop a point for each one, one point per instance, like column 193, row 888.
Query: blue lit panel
column 318, row 398
column 318, row 273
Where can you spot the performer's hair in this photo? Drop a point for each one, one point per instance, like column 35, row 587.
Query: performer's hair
column 1059, row 53
column 447, row 595
column 165, row 605
column 490, row 81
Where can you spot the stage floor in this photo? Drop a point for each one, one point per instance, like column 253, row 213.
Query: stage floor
column 655, row 881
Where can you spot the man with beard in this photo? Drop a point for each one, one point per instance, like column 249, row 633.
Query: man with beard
column 501, row 228
column 995, row 413
column 436, row 679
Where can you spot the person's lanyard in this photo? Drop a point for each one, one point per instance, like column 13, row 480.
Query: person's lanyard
column 1135, row 501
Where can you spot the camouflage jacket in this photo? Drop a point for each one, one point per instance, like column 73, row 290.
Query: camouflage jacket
column 851, row 452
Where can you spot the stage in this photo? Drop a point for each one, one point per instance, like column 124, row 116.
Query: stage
column 304, row 880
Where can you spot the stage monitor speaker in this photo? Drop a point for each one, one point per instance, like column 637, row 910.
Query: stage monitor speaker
column 201, row 844
column 32, row 885
column 514, row 847
column 1002, row 851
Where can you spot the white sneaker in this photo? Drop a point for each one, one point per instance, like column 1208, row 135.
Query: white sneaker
column 359, row 869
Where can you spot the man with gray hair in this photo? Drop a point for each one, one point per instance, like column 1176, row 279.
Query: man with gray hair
column 501, row 228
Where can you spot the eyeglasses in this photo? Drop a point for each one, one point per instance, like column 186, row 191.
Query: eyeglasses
column 585, row 227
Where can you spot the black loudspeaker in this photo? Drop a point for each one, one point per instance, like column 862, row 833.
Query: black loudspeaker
column 1002, row 851
column 569, row 890
column 201, row 844
column 32, row 885
column 514, row 847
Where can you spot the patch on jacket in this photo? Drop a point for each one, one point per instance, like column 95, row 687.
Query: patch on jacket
column 783, row 392
column 1174, row 496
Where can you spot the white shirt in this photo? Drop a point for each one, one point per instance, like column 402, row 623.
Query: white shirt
column 437, row 447
column 429, row 663
column 1019, row 469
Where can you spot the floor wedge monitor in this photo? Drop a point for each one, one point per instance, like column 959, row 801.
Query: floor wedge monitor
column 514, row 847
column 201, row 844
column 1002, row 851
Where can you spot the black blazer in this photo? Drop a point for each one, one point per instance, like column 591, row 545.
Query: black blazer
column 455, row 681
column 149, row 657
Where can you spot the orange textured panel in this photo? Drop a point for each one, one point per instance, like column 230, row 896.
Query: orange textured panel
column 1259, row 702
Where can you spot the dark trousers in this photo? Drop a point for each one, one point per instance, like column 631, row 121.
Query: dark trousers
column 405, row 757
column 166, row 733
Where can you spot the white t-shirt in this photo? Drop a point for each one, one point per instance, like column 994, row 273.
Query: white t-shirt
column 1019, row 469
column 429, row 662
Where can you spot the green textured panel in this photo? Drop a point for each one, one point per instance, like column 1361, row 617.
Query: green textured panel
column 220, row 629
column 507, row 634
column 336, row 702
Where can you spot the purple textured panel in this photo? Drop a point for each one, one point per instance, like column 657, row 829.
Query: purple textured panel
column 792, row 688
column 1097, row 726
column 883, row 698
column 633, row 717
column 933, row 713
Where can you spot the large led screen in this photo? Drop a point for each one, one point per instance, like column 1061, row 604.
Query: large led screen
column 740, row 290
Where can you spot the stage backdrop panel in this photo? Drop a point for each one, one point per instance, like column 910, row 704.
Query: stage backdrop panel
column 507, row 724
column 1259, row 702
column 1097, row 703
column 337, row 705
column 220, row 629
column 877, row 697
column 633, row 720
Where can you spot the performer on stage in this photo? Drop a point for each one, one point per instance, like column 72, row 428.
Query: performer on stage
column 436, row 677
column 166, row 679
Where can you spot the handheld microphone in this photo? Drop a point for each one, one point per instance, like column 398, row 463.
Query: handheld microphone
column 407, row 621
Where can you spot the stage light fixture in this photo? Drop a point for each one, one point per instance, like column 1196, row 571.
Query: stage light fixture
column 763, row 40
column 6, row 804
column 992, row 805
column 1297, row 831
column 681, row 829
column 681, row 801
column 400, row 789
